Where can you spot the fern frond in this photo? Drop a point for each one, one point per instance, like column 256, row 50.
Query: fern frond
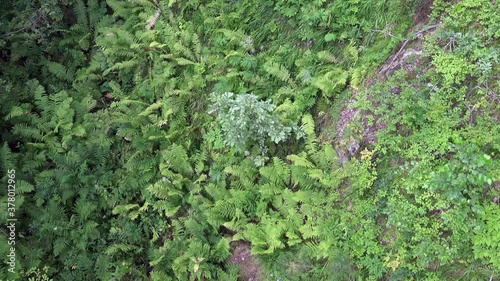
column 60, row 244
column 84, row 208
column 176, row 159
column 277, row 70
column 332, row 81
column 60, row 71
column 81, row 13
column 7, row 158
column 300, row 161
column 308, row 128
column 124, row 65
column 27, row 131
column 23, row 187
column 277, row 173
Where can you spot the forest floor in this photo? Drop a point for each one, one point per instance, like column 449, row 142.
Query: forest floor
column 250, row 268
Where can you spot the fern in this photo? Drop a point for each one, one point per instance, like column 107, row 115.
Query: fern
column 7, row 158
column 308, row 128
column 176, row 159
column 277, row 70
column 60, row 71
column 277, row 173
column 331, row 82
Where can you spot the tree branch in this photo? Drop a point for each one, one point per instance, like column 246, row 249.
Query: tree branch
column 419, row 33
column 152, row 21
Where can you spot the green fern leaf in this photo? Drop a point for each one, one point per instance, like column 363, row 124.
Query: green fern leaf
column 277, row 70
column 60, row 71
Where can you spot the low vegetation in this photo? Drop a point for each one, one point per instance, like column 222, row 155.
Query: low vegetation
column 251, row 139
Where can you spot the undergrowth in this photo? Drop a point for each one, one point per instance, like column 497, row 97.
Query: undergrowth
column 131, row 163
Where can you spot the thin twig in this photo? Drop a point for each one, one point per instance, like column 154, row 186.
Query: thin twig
column 467, row 96
column 419, row 33
column 409, row 39
column 471, row 112
column 382, row 31
column 428, row 28
column 485, row 83
column 33, row 24
column 13, row 32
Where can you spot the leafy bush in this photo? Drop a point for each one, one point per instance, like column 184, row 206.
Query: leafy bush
column 245, row 121
column 487, row 236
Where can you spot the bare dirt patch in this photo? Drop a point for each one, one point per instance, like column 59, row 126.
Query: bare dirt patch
column 250, row 268
column 421, row 16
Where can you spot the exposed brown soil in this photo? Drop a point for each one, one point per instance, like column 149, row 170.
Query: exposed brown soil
column 421, row 16
column 250, row 269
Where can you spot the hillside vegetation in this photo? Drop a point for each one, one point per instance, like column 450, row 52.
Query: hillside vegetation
column 250, row 140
